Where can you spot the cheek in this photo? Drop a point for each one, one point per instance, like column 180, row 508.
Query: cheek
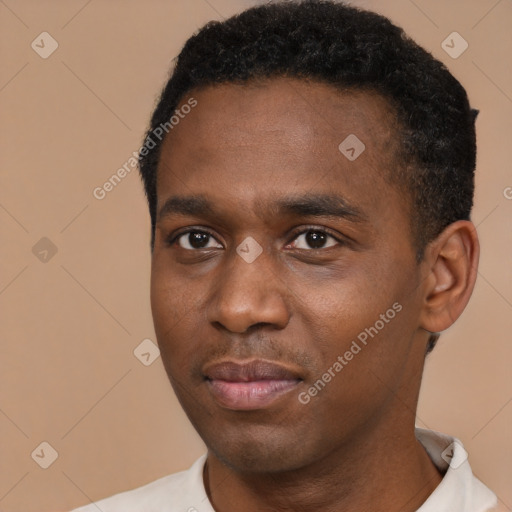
column 175, row 305
column 367, row 316
column 340, row 307
column 357, row 378
column 378, row 332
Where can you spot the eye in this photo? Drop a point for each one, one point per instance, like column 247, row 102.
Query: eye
column 195, row 239
column 315, row 239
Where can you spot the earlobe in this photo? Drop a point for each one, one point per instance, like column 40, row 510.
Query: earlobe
column 452, row 260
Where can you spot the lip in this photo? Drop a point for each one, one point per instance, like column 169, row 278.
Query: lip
column 249, row 385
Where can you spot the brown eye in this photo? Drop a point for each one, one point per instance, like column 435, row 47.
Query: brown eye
column 314, row 239
column 191, row 240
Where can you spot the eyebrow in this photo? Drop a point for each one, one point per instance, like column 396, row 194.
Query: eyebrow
column 308, row 205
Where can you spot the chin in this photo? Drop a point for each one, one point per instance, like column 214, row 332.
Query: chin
column 261, row 452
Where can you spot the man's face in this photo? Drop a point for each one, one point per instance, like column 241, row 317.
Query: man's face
column 244, row 336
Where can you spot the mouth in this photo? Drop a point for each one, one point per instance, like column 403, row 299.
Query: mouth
column 249, row 385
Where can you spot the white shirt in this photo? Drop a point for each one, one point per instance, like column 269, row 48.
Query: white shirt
column 459, row 490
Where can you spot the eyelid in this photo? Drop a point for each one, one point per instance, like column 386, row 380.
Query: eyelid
column 173, row 238
column 306, row 229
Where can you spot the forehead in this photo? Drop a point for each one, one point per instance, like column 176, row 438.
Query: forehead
column 305, row 110
column 246, row 142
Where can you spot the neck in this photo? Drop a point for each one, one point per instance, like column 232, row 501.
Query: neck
column 385, row 470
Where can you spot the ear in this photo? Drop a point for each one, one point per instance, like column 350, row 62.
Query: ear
column 452, row 264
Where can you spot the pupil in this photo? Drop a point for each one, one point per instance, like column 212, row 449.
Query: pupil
column 198, row 240
column 315, row 239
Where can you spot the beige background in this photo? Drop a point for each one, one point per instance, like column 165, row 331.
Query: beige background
column 69, row 325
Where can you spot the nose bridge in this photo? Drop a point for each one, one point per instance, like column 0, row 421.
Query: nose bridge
column 249, row 292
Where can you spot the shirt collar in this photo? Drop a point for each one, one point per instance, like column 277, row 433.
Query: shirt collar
column 459, row 490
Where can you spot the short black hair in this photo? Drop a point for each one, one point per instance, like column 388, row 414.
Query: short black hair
column 351, row 49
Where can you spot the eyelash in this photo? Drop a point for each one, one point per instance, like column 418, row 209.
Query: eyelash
column 172, row 239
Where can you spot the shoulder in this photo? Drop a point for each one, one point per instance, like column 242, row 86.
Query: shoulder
column 183, row 491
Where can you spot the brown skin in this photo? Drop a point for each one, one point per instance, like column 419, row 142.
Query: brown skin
column 352, row 447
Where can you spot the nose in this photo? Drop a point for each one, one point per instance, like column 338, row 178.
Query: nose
column 247, row 294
